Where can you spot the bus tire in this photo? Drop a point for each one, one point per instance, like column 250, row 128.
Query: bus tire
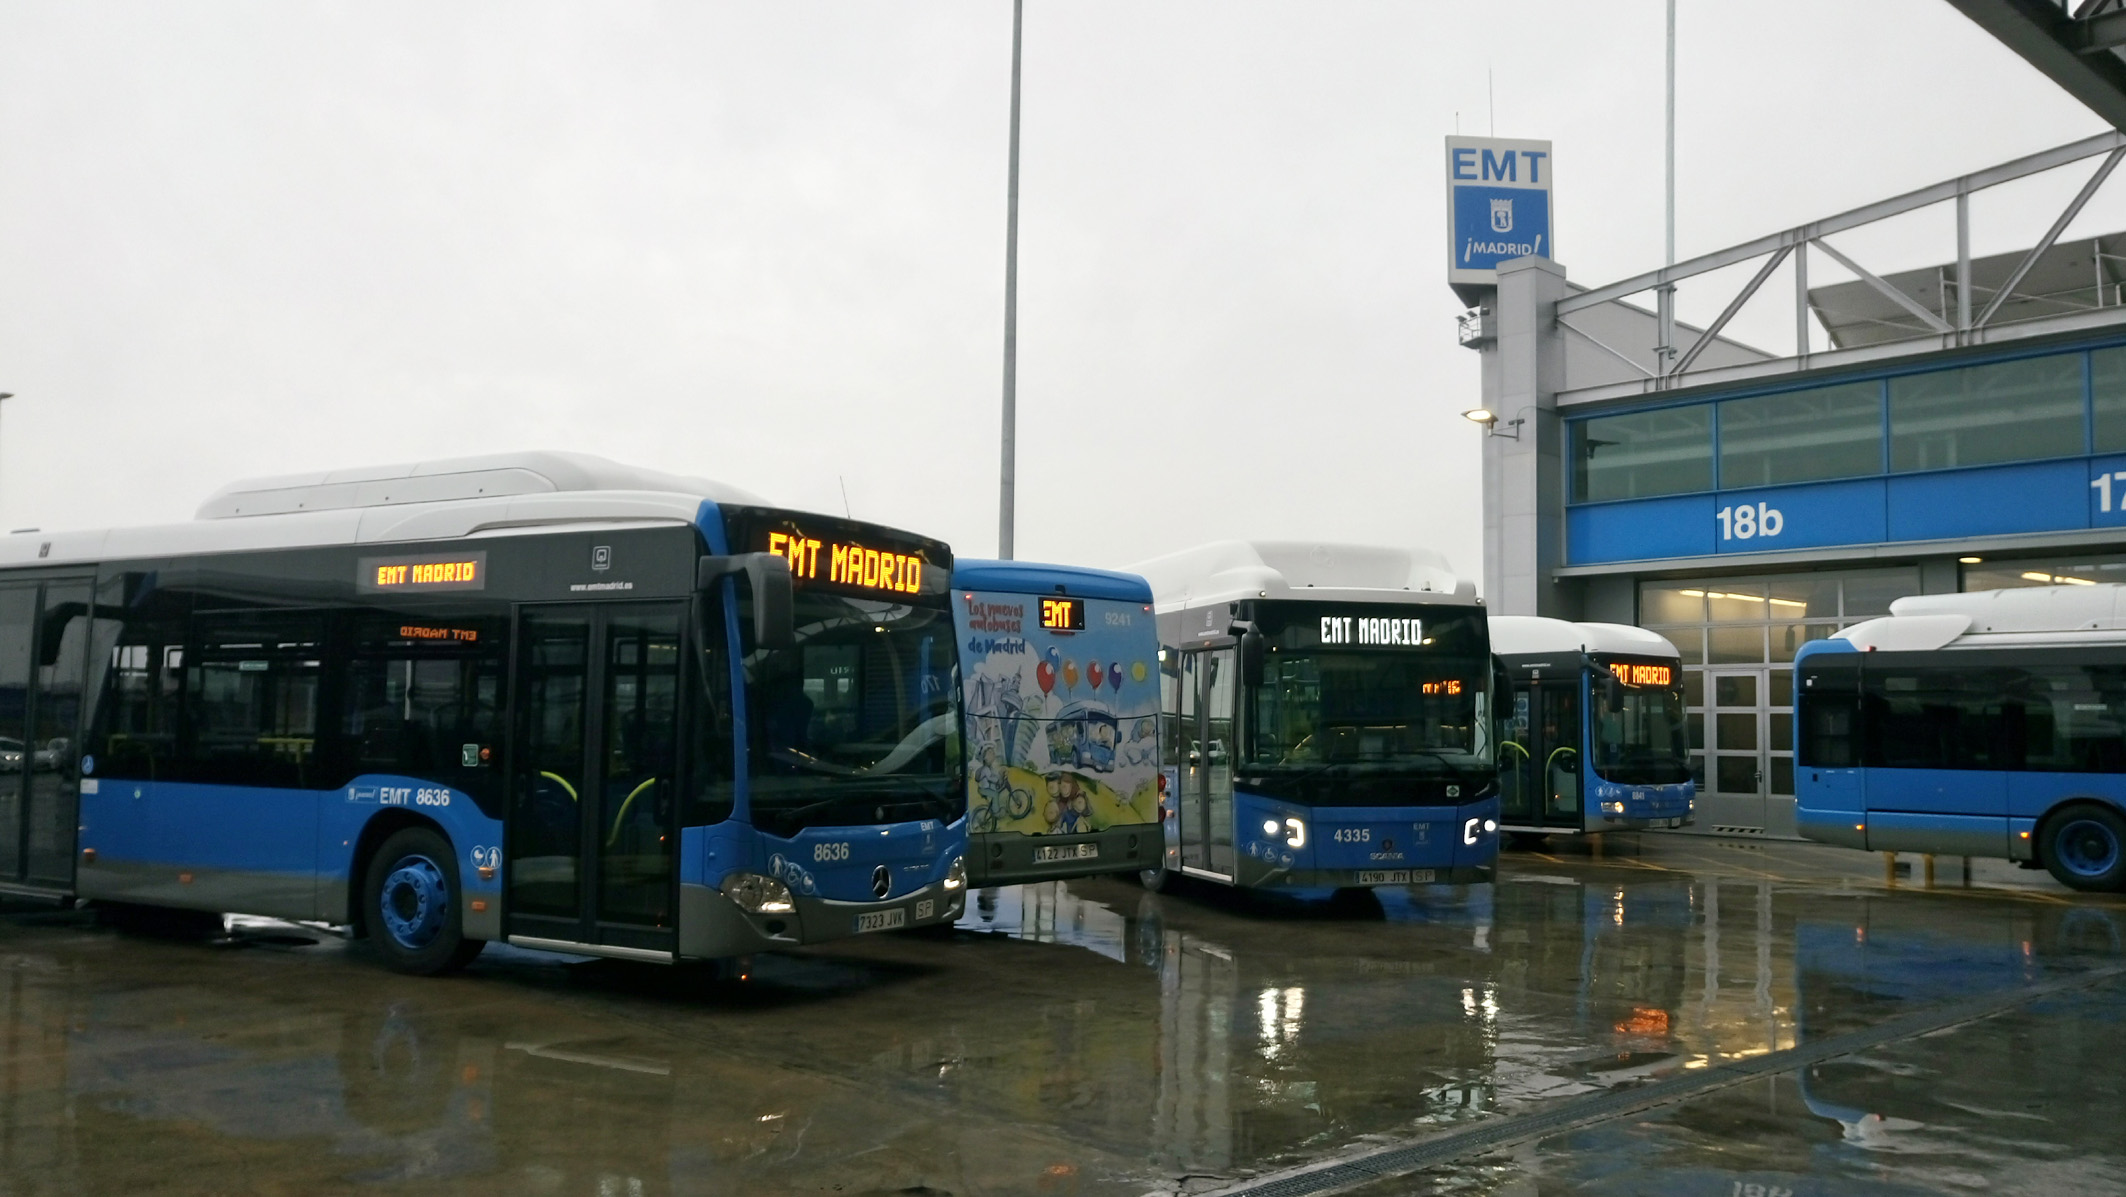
column 1156, row 879
column 2084, row 847
column 410, row 897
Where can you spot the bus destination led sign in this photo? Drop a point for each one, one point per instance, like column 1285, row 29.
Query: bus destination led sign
column 395, row 575
column 1640, row 673
column 1450, row 686
column 1063, row 614
column 1372, row 633
column 848, row 563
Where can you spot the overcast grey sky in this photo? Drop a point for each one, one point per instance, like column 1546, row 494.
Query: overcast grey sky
column 764, row 242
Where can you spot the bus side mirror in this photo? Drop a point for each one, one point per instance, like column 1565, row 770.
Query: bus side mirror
column 1251, row 658
column 768, row 576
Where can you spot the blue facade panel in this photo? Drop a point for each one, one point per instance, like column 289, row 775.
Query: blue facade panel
column 1801, row 517
column 1672, row 527
column 2045, row 496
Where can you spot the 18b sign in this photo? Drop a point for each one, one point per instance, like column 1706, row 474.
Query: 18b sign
column 1745, row 522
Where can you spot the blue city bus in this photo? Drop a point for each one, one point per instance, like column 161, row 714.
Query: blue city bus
column 1983, row 724
column 1327, row 717
column 540, row 698
column 1059, row 677
column 1594, row 737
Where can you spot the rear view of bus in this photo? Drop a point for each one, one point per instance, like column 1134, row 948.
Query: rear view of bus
column 1594, row 736
column 1059, row 672
column 1327, row 717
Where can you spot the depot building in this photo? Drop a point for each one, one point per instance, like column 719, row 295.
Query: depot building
column 1959, row 426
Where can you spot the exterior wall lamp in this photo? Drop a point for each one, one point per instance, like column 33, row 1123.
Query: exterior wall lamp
column 1492, row 424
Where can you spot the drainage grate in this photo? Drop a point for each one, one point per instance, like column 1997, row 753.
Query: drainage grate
column 1596, row 1108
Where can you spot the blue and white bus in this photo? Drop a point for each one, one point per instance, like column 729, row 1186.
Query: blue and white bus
column 1327, row 717
column 541, row 698
column 1594, row 737
column 1059, row 673
column 1983, row 724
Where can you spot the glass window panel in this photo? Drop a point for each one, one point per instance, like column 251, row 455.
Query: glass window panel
column 1831, row 432
column 1735, row 691
column 1694, row 687
column 1736, row 603
column 1697, row 732
column 2107, row 377
column 1689, row 642
column 2008, row 411
column 1870, row 594
column 1805, row 597
column 1666, row 452
column 1779, row 733
column 1736, row 731
column 1737, row 775
column 2043, row 571
column 1736, row 646
column 1783, row 776
column 1789, row 637
column 1783, row 684
column 1668, row 604
column 1697, row 769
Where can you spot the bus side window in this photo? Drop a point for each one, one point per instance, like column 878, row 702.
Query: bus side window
column 134, row 733
column 711, row 766
column 1830, row 720
column 422, row 699
column 251, row 699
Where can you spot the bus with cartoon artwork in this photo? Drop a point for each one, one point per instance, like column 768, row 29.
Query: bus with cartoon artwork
column 1593, row 734
column 1059, row 677
column 1327, row 717
column 540, row 698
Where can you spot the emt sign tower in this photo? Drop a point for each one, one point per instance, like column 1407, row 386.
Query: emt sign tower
column 1498, row 204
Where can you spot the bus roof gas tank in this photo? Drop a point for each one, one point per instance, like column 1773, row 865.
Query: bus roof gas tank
column 497, row 476
column 1228, row 570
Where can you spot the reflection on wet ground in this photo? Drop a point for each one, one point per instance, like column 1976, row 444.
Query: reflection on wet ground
column 1093, row 1038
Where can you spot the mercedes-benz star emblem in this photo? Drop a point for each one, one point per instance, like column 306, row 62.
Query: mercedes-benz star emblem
column 881, row 881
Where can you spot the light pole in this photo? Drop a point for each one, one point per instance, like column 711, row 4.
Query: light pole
column 1008, row 483
column 4, row 396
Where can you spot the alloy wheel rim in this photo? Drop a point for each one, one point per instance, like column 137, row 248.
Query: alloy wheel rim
column 2088, row 848
column 413, row 902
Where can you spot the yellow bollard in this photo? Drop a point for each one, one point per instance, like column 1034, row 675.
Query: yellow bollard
column 1929, row 865
column 1889, row 869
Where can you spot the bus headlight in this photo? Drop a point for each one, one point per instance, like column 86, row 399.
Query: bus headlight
column 1490, row 825
column 956, row 873
column 756, row 894
column 1298, row 833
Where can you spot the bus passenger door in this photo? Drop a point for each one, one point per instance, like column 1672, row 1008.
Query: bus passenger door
column 43, row 661
column 1520, row 768
column 1206, row 773
column 592, row 838
column 1559, row 707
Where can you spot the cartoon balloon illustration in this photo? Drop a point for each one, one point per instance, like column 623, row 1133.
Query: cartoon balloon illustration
column 1114, row 676
column 1070, row 675
column 1045, row 675
column 1137, row 671
column 1094, row 674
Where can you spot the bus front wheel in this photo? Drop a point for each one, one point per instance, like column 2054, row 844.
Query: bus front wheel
column 2085, row 847
column 410, row 901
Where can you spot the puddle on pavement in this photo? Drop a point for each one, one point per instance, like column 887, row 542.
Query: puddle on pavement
column 1088, row 1038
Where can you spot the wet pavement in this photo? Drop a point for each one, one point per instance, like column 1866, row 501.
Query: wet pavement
column 1590, row 1024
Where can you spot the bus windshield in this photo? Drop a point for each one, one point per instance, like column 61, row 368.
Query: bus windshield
column 857, row 723
column 1332, row 705
column 1639, row 733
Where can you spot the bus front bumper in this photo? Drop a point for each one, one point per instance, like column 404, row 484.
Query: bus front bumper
column 1011, row 858
column 712, row 927
column 1255, row 874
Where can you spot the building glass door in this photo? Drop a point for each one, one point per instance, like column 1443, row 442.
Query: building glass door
column 1735, row 772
